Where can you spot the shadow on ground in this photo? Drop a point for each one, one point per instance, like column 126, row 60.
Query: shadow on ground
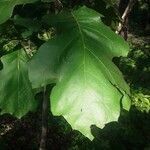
column 131, row 132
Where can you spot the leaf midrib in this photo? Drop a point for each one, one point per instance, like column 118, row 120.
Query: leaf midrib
column 84, row 51
column 83, row 44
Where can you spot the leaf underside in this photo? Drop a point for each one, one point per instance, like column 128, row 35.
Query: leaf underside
column 90, row 89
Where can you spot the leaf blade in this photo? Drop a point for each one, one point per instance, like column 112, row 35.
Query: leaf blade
column 88, row 96
column 16, row 95
column 89, row 87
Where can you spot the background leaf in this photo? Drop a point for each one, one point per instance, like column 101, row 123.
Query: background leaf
column 16, row 95
column 7, row 6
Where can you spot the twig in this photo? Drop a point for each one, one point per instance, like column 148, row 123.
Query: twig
column 45, row 106
column 58, row 6
column 125, row 16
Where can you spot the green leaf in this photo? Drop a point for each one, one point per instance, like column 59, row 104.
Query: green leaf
column 32, row 25
column 16, row 95
column 7, row 6
column 90, row 89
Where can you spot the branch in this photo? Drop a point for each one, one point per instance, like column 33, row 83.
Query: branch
column 125, row 16
column 58, row 6
column 45, row 109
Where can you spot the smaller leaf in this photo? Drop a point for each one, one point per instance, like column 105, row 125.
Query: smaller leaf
column 16, row 95
column 33, row 25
